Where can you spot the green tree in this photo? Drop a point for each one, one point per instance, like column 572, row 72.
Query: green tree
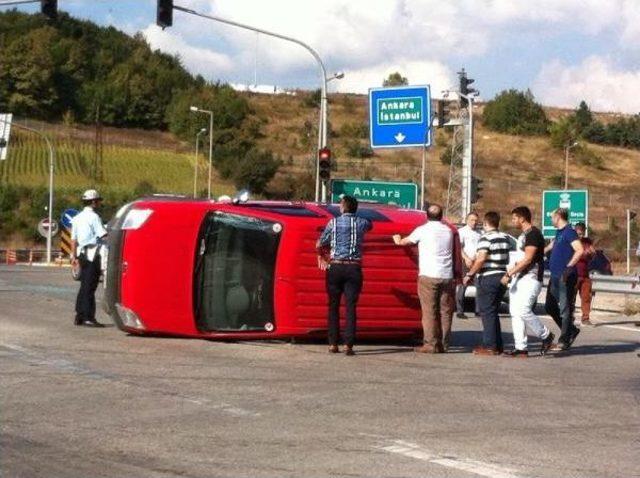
column 254, row 170
column 27, row 72
column 583, row 117
column 395, row 79
column 515, row 112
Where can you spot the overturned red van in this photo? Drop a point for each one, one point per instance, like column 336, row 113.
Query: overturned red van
column 223, row 270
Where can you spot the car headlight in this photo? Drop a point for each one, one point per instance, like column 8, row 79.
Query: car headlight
column 129, row 317
column 135, row 218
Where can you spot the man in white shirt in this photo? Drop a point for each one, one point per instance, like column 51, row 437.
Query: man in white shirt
column 437, row 247
column 469, row 238
column 86, row 232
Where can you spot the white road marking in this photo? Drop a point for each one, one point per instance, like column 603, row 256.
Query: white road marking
column 413, row 450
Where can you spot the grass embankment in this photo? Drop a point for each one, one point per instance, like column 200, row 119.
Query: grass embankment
column 125, row 172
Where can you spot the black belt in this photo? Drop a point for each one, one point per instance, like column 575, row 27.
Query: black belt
column 345, row 261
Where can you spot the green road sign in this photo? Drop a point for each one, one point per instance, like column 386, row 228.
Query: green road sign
column 576, row 201
column 400, row 194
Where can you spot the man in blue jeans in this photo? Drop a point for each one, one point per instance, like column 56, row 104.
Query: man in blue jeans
column 490, row 265
column 566, row 251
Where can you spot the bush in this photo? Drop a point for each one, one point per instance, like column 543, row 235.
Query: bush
column 356, row 149
column 254, row 170
column 355, row 130
column 144, row 188
column 445, row 156
column 312, row 99
column 515, row 112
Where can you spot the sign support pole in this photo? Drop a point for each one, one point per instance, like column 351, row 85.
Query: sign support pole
column 424, row 163
column 628, row 241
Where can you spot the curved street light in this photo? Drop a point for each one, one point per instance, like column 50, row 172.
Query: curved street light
column 195, row 109
column 566, row 162
column 195, row 167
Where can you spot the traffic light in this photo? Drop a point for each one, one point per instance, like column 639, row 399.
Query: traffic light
column 49, row 8
column 464, row 88
column 324, row 164
column 476, row 189
column 164, row 15
column 443, row 112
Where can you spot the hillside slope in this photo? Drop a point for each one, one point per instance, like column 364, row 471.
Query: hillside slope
column 515, row 169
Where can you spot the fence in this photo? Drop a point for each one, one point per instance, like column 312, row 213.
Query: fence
column 31, row 256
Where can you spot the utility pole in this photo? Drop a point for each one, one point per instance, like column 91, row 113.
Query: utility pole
column 566, row 163
column 459, row 193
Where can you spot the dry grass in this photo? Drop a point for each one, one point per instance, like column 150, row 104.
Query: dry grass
column 631, row 307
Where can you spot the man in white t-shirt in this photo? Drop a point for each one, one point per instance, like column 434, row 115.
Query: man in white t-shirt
column 438, row 245
column 469, row 238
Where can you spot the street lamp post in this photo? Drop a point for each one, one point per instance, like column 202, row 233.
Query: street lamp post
column 51, row 163
column 210, row 113
column 195, row 167
column 566, row 163
column 322, row 127
column 323, row 140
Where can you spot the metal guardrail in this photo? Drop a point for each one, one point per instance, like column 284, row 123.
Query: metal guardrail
column 31, row 256
column 628, row 285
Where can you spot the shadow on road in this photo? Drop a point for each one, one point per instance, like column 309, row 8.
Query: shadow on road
column 628, row 347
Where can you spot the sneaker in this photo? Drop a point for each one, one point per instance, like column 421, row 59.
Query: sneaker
column 333, row 349
column 573, row 337
column 515, row 353
column 348, row 351
column 559, row 347
column 547, row 343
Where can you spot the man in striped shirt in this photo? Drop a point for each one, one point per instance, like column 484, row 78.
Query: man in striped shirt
column 490, row 265
column 344, row 234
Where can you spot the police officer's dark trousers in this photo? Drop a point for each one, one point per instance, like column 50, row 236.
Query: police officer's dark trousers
column 343, row 279
column 89, row 278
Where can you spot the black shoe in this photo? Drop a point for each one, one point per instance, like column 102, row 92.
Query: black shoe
column 547, row 343
column 573, row 337
column 461, row 315
column 78, row 320
column 92, row 323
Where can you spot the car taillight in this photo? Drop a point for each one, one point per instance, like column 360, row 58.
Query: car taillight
column 135, row 218
column 129, row 317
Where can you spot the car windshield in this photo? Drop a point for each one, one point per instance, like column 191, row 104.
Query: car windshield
column 234, row 273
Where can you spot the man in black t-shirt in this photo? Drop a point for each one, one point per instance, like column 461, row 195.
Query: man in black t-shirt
column 525, row 283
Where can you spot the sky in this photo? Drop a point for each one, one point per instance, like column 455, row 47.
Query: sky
column 565, row 51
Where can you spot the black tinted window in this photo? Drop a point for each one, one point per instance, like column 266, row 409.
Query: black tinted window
column 371, row 214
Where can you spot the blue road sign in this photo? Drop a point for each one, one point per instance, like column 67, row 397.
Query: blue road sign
column 66, row 217
column 400, row 117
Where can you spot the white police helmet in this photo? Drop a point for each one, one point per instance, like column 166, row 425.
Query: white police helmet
column 90, row 195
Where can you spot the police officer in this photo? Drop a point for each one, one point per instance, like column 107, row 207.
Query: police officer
column 86, row 232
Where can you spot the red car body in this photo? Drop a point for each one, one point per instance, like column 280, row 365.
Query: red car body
column 215, row 270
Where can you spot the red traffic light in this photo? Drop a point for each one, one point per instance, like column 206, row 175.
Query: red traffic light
column 324, row 163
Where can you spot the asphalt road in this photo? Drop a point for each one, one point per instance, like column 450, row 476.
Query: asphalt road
column 82, row 402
